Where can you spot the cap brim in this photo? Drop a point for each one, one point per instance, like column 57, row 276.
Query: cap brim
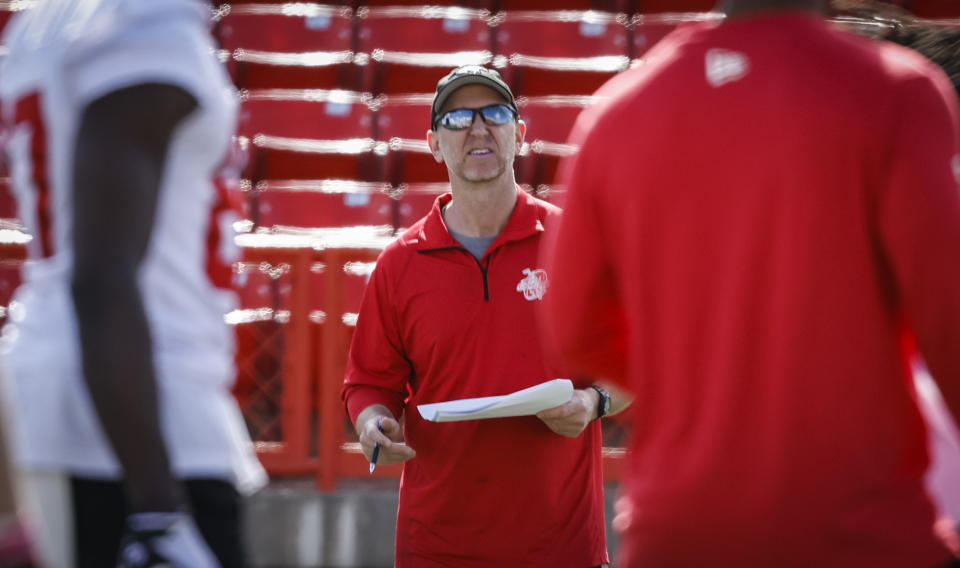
column 465, row 80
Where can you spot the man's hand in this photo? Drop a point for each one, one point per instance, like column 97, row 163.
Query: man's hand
column 572, row 418
column 392, row 447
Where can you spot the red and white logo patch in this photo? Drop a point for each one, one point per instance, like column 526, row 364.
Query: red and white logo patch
column 534, row 285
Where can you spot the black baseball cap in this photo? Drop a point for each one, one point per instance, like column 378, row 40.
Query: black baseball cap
column 470, row 75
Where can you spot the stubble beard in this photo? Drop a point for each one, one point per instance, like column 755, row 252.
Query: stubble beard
column 484, row 175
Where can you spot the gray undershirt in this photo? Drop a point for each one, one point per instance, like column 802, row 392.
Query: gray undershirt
column 475, row 245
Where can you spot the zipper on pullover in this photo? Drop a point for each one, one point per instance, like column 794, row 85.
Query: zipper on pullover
column 483, row 269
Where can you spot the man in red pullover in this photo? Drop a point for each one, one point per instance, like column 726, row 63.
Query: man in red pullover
column 449, row 314
column 757, row 219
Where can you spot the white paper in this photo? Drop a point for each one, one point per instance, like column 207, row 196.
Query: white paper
column 520, row 403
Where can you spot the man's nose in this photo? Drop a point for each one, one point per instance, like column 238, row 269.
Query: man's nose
column 478, row 122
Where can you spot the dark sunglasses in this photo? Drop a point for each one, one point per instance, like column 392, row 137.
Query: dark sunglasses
column 462, row 118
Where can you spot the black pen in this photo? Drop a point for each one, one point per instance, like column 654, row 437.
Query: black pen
column 376, row 448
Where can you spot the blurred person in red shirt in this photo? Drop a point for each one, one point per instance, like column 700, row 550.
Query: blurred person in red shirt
column 756, row 218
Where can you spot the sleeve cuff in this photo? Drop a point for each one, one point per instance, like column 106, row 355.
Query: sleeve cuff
column 356, row 398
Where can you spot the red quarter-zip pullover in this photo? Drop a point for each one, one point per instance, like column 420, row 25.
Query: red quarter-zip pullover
column 436, row 324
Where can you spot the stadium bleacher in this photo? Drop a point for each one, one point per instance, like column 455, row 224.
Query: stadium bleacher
column 334, row 110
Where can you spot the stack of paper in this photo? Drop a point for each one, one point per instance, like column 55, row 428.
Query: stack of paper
column 521, row 403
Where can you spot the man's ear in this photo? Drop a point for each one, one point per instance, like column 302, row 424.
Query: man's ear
column 520, row 133
column 434, row 144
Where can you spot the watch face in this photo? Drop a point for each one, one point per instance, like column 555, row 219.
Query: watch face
column 604, row 406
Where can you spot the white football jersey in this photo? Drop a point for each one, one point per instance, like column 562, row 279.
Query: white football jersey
column 64, row 54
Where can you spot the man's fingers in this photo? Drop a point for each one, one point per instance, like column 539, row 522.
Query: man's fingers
column 566, row 420
column 564, row 412
column 391, row 428
column 561, row 411
column 397, row 453
column 369, row 439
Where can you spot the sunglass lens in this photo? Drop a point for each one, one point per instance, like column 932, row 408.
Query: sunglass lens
column 457, row 119
column 462, row 118
column 497, row 114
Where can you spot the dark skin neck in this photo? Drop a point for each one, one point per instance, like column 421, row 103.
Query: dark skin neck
column 744, row 8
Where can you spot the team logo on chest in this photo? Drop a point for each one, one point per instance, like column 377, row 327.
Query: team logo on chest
column 534, row 284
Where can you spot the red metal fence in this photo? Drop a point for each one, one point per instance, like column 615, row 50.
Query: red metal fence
column 291, row 358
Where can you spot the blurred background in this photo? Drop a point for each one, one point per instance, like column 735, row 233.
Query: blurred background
column 330, row 161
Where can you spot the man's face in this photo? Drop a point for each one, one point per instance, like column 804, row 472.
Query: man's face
column 483, row 152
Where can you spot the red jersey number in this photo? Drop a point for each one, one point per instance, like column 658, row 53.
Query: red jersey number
column 28, row 121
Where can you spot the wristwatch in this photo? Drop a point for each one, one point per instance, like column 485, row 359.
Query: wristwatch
column 603, row 407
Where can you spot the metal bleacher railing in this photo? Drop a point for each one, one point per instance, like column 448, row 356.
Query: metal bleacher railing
column 334, row 109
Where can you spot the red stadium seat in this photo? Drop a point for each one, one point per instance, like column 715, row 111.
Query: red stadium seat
column 288, row 45
column 422, row 29
column 276, row 157
column 551, row 118
column 538, row 168
column 410, row 161
column 319, row 114
column 320, row 143
column 408, row 49
column 313, row 70
column 253, row 69
column 416, row 199
column 537, row 76
column 285, row 28
column 561, row 34
column 649, row 29
column 549, row 121
column 403, row 116
column 323, row 203
column 614, row 6
column 563, row 52
column 392, row 72
column 402, row 122
column 471, row 4
column 308, row 134
column 662, row 6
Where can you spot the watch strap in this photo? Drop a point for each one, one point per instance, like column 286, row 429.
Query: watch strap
column 603, row 404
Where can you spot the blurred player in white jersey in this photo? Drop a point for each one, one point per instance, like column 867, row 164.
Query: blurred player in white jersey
column 14, row 546
column 116, row 356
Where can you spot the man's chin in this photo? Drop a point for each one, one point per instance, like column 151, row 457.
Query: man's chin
column 482, row 176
